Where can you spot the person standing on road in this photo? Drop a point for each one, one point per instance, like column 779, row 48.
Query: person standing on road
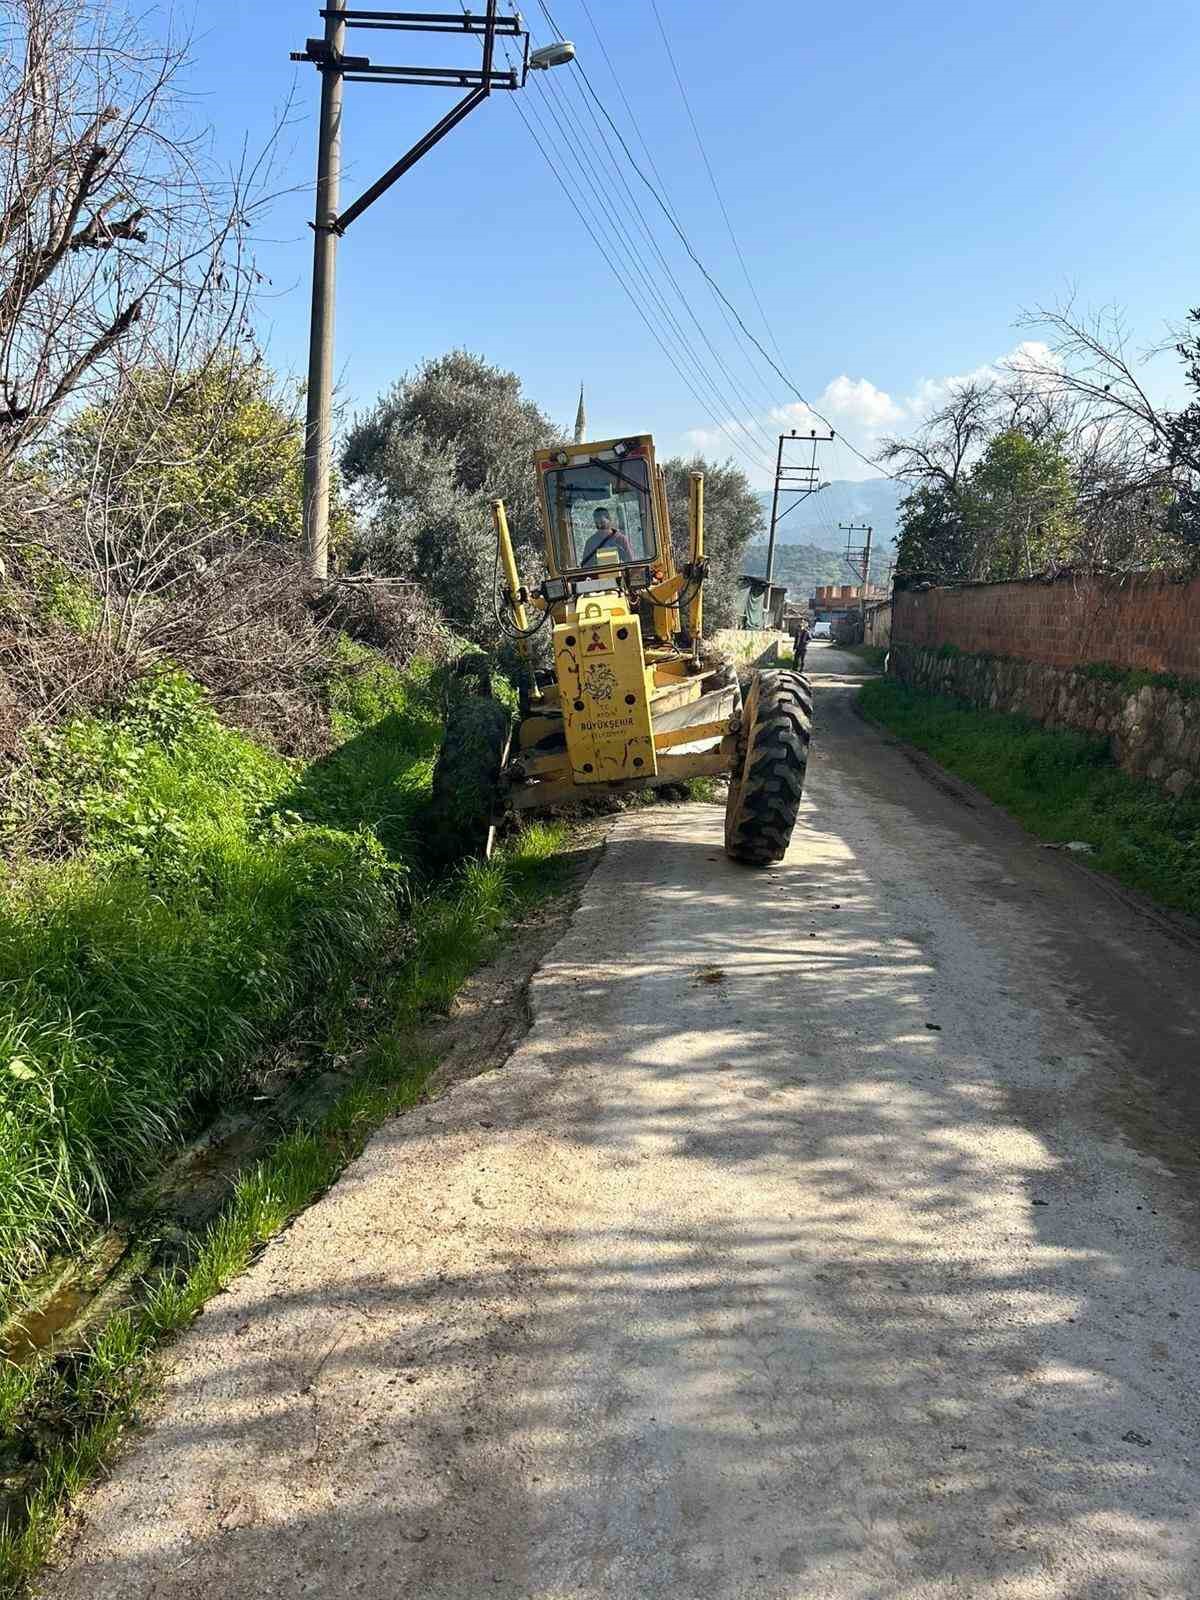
column 800, row 643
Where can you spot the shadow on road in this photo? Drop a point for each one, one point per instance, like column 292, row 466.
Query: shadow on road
column 784, row 1260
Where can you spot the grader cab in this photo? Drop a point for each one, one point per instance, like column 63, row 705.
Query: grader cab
column 632, row 695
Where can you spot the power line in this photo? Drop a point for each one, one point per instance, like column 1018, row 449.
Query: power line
column 687, row 245
column 596, row 180
column 597, row 183
column 742, row 348
column 765, row 439
column 704, row 377
column 635, row 264
column 712, row 177
column 616, row 272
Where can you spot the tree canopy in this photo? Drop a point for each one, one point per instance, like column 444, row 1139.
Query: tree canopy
column 1060, row 461
column 122, row 243
column 733, row 517
column 1183, row 441
column 428, row 459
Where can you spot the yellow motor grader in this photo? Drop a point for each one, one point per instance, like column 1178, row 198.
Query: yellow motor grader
column 634, row 697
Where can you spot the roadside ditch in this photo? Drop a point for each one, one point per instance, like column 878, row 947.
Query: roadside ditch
column 79, row 1349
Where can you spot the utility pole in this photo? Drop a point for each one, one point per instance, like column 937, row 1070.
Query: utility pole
column 329, row 223
column 799, row 479
column 859, row 560
column 318, row 427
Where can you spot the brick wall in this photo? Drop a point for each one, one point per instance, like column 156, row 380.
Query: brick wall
column 1022, row 646
column 1151, row 623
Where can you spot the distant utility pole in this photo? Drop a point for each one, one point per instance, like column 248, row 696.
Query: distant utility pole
column 858, row 559
column 800, row 479
column 329, row 224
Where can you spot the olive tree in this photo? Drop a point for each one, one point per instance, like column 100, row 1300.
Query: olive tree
column 733, row 517
column 427, row 460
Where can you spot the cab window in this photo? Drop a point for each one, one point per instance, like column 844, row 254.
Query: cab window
column 597, row 506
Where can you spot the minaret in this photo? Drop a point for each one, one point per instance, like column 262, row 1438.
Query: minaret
column 581, row 419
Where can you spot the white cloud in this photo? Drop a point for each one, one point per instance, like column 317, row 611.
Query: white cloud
column 853, row 400
column 932, row 392
column 858, row 400
column 866, row 413
column 854, row 407
column 707, row 440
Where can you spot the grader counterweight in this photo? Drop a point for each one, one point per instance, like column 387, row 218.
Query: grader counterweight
column 633, row 696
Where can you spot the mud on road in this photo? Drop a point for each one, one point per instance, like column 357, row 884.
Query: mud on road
column 831, row 1233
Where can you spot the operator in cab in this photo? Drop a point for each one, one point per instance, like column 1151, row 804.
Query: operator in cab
column 607, row 536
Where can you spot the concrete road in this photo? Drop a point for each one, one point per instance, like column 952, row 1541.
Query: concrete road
column 832, row 1233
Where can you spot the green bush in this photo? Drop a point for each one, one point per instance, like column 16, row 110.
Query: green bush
column 213, row 891
column 390, row 726
column 1131, row 679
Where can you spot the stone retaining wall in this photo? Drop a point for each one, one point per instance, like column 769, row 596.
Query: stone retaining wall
column 752, row 647
column 1153, row 729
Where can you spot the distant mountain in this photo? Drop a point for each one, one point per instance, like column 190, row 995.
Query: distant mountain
column 814, row 522
column 803, row 566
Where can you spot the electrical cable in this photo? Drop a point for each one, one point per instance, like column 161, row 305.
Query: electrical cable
column 554, row 86
column 743, row 350
column 596, row 182
column 552, row 90
column 688, row 246
column 688, row 352
column 712, row 177
column 621, row 279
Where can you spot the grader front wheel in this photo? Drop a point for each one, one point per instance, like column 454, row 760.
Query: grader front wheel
column 766, row 785
column 466, row 778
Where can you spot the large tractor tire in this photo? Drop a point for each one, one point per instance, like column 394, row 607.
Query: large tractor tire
column 768, row 779
column 466, row 778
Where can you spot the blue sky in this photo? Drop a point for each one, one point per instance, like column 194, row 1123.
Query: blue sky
column 903, row 181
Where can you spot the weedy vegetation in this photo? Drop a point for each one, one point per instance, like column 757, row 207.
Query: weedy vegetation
column 203, row 899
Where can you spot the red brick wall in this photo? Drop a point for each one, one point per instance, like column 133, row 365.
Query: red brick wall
column 1150, row 623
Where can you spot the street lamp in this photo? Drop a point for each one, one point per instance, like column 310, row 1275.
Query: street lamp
column 552, row 55
column 330, row 223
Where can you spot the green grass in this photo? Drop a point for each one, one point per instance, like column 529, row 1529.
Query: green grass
column 179, row 903
column 86, row 1411
column 197, row 899
column 141, row 974
column 1060, row 785
column 79, row 1411
column 873, row 655
column 1131, row 679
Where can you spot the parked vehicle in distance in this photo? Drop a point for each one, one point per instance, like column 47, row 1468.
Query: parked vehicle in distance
column 821, row 630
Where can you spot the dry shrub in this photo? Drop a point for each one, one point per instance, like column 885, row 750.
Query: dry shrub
column 398, row 619
column 51, row 673
column 261, row 639
column 246, row 632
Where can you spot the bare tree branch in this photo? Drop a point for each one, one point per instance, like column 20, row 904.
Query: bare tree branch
column 119, row 240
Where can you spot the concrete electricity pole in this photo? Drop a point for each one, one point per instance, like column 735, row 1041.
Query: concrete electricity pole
column 801, row 480
column 859, row 560
column 329, row 224
column 318, row 428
